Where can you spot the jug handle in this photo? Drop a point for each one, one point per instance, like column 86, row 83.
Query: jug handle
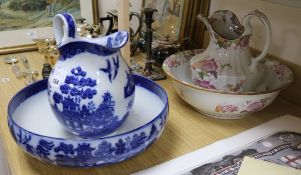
column 248, row 30
column 64, row 27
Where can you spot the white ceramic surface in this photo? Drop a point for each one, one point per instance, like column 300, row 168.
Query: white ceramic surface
column 225, row 105
column 28, row 115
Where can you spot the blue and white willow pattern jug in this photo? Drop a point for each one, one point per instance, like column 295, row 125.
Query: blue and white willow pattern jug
column 90, row 89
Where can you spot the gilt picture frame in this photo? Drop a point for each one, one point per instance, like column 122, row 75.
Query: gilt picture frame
column 19, row 39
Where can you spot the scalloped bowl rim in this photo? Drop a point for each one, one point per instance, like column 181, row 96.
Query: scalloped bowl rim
column 169, row 73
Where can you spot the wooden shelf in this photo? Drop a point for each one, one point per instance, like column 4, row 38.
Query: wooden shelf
column 186, row 130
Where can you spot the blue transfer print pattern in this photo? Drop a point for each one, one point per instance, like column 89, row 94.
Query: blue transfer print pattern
column 71, row 25
column 75, row 85
column 109, row 42
column 117, row 41
column 49, row 89
column 111, row 70
column 77, row 47
column 129, row 88
column 130, row 104
column 42, row 149
column 82, row 154
column 86, row 152
column 119, row 38
column 88, row 119
column 72, row 49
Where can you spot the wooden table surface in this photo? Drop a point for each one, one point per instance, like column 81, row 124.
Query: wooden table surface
column 186, row 130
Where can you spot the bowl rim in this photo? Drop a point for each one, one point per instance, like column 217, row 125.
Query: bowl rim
column 10, row 112
column 169, row 74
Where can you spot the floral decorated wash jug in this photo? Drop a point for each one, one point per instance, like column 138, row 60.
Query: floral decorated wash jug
column 227, row 63
column 90, row 89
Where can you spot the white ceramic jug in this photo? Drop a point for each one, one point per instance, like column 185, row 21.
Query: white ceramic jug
column 227, row 64
column 90, row 89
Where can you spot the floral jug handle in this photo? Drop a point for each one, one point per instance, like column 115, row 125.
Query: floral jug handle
column 248, row 31
column 64, row 27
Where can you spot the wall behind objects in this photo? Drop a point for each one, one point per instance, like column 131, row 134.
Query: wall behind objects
column 285, row 22
column 108, row 5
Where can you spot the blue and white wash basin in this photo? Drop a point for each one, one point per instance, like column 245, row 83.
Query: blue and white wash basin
column 36, row 130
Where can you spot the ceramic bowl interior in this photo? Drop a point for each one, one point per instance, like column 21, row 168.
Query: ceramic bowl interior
column 36, row 129
column 221, row 104
column 278, row 76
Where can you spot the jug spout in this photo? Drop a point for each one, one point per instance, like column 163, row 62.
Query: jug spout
column 223, row 24
column 70, row 44
column 65, row 32
column 205, row 20
column 114, row 41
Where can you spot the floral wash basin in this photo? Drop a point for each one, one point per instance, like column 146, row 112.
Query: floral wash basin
column 36, row 130
column 225, row 105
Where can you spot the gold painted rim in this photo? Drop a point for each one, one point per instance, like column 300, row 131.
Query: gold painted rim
column 168, row 73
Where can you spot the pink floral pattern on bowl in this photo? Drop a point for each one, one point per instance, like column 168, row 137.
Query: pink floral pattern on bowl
column 173, row 63
column 204, row 83
column 245, row 107
column 226, row 108
column 177, row 59
column 219, row 104
column 283, row 73
column 236, row 87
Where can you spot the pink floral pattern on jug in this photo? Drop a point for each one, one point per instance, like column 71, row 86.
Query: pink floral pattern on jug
column 236, row 44
column 208, row 73
column 245, row 107
column 227, row 63
column 209, row 66
column 208, row 70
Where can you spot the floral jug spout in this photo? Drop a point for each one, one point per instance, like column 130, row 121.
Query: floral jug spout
column 227, row 63
column 91, row 89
